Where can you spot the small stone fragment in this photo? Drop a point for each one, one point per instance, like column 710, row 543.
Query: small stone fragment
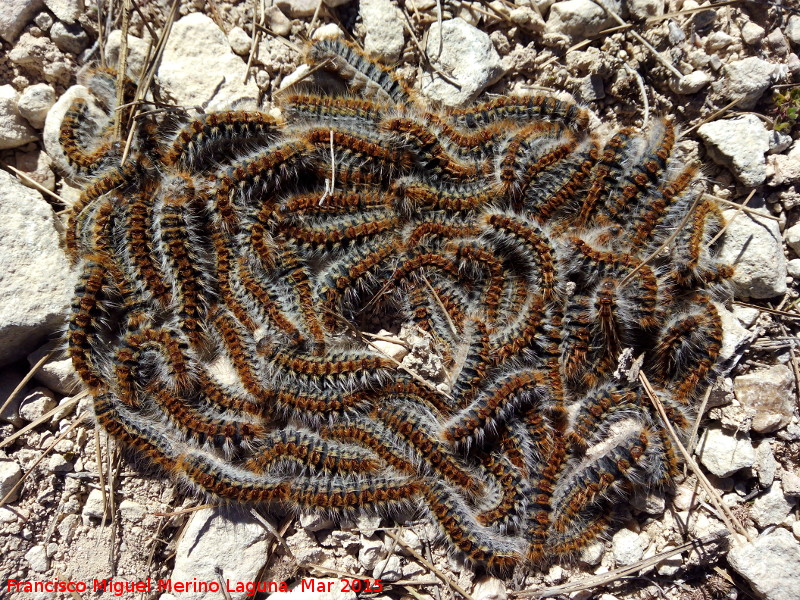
column 784, row 168
column 14, row 129
column 723, row 452
column 389, row 569
column 790, row 482
column 93, row 507
column 38, row 402
column 753, row 246
column 642, row 9
column 37, row 559
column 771, row 507
column 298, row 8
column 35, row 101
column 279, row 23
column 137, row 52
column 15, row 15
column 229, row 540
column 489, row 588
column 36, row 167
column 771, row 563
column 37, row 283
column 69, row 38
column 10, row 474
column 66, row 10
column 765, row 464
column 196, row 48
column 627, row 547
column 753, row 33
column 56, row 373
column 577, row 19
column 240, row 41
column 384, row 40
column 792, row 236
column 370, row 553
column 528, row 19
column 746, row 80
column 467, row 56
column 739, row 144
column 691, row 83
column 770, row 394
column 792, row 30
column 315, row 522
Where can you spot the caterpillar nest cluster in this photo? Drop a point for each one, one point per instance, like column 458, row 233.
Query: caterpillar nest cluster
column 229, row 264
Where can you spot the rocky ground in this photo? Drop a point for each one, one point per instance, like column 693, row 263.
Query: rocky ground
column 725, row 73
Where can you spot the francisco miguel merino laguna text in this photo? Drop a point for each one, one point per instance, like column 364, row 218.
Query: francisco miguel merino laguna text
column 250, row 588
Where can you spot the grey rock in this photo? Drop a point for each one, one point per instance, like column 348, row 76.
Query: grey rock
column 778, row 142
column 765, row 464
column 37, row 282
column 389, row 569
column 771, row 507
column 220, row 538
column 527, row 18
column 41, row 55
column 578, row 19
column 196, row 48
column 753, row 33
column 298, row 8
column 278, row 22
column 593, row 553
column 793, row 268
column 467, row 56
column 669, row 566
column 43, row 21
column 36, row 166
column 723, row 452
column 240, row 41
column 66, row 10
column 792, row 236
column 305, row 547
column 489, row 588
column 137, row 52
column 93, row 507
column 591, row 88
column 34, row 102
column 792, row 30
column 367, row 524
column 69, row 38
column 718, row 40
column 627, row 547
column 15, row 15
column 56, row 373
column 384, row 40
column 370, row 553
column 784, row 168
column 771, row 563
column 653, row 502
column 37, row 559
column 777, row 43
column 38, row 402
column 10, row 474
column 691, row 83
column 58, row 463
column 746, row 80
column 770, row 394
column 14, row 129
column 735, row 338
column 753, row 246
column 790, row 482
column 739, row 144
column 315, row 522
column 642, row 9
